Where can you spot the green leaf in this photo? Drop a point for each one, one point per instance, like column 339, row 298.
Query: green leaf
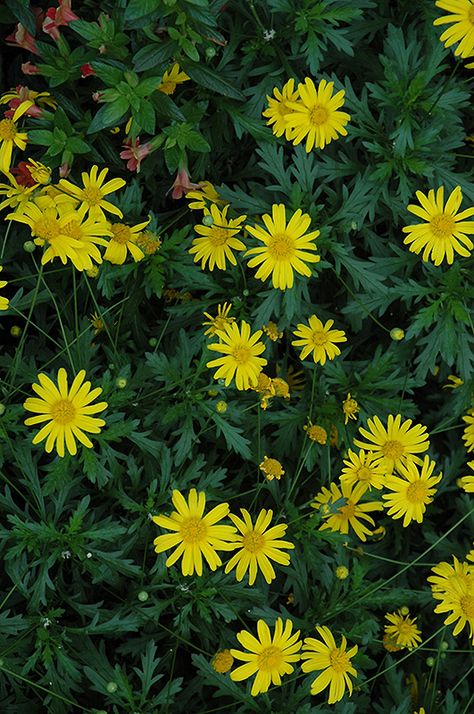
column 145, row 117
column 107, row 73
column 88, row 30
column 41, row 137
column 154, row 56
column 23, row 13
column 77, row 146
column 140, row 8
column 205, row 77
column 109, row 115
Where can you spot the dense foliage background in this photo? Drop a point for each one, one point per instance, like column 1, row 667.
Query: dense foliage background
column 90, row 617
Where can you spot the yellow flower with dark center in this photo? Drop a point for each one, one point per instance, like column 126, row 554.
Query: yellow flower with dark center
column 340, row 508
column 271, row 330
column 286, row 247
column 222, row 661
column 68, row 412
column 269, row 658
column 10, row 137
column 93, row 193
column 468, row 433
column 364, row 468
column 217, row 240
column 272, row 468
column 204, row 196
column 458, row 601
column 240, row 359
column 220, row 320
column 257, row 546
column 402, row 630
column 195, row 534
column 171, row 78
column 3, row 300
column 449, row 579
column 316, row 433
column 316, row 117
column 335, row 662
column 443, row 232
column 278, row 109
column 461, row 21
column 397, row 444
column 411, row 493
column 124, row 240
column 350, row 408
column 467, row 482
column 318, row 339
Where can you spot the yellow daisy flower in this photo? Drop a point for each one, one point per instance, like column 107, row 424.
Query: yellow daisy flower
column 286, row 247
column 240, row 349
column 402, row 630
column 220, row 320
column 318, row 339
column 257, row 546
column 272, row 468
column 10, row 137
column 341, row 509
column 316, row 116
column 316, row 433
column 4, row 302
column 40, row 173
column 123, row 240
column 364, row 468
column 68, row 412
column 335, row 662
column 195, row 534
column 442, row 234
column 468, row 433
column 350, row 408
column 459, row 603
column 397, row 443
column 16, row 195
column 93, row 193
column 278, row 108
column 411, row 493
column 448, row 579
column 467, row 482
column 171, row 78
column 461, row 19
column 217, row 240
column 268, row 657
column 203, row 196
column 88, row 233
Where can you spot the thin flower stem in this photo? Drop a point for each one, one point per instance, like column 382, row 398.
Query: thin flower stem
column 4, row 244
column 50, row 692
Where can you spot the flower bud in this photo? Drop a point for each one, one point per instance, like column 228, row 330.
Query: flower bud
column 15, row 331
column 397, row 334
column 143, row 596
column 221, row 407
column 92, row 272
column 430, row 661
column 152, row 342
column 3, row 409
column 111, row 687
column 28, row 246
column 207, row 221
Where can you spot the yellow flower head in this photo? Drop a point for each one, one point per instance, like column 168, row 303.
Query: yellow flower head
column 364, row 468
column 402, row 630
column 286, row 247
column 467, row 482
column 272, row 468
column 97, row 323
column 318, row 339
column 458, row 601
column 10, row 137
column 171, row 78
column 40, row 173
column 148, row 242
column 340, row 508
column 350, row 408
column 194, row 534
column 93, row 193
column 316, row 433
column 279, row 108
column 443, row 231
column 217, row 240
column 3, row 300
column 269, row 658
column 316, row 117
column 461, row 21
column 449, row 579
column 468, row 433
column 257, row 545
column 222, row 661
column 16, row 195
column 281, row 388
column 68, row 412
column 240, row 358
column 204, row 196
column 335, row 663
column 342, row 572
column 271, row 330
column 220, row 320
column 413, row 492
column 123, row 241
column 397, row 443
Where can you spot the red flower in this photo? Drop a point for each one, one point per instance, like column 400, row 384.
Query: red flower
column 86, row 70
column 134, row 153
column 182, row 184
column 22, row 174
column 57, row 17
column 28, row 68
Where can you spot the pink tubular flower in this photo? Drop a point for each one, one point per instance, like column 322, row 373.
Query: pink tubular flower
column 182, row 184
column 64, row 170
column 28, row 68
column 20, row 37
column 57, row 17
column 86, row 70
column 135, row 153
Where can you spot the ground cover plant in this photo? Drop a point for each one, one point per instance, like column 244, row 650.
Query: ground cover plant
column 236, row 402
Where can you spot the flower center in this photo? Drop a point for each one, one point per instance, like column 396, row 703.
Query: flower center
column 121, row 233
column 63, row 412
column 7, row 130
column 319, row 115
column 168, row 87
column 404, row 628
column 269, row 659
column 47, row 228
column 467, row 605
column 364, row 474
column 73, row 230
column 253, row 541
column 348, row 511
column 317, row 433
column 442, row 226
column 281, row 246
column 273, row 468
column 417, row 492
column 339, row 660
column 193, row 530
column 92, row 195
column 218, row 236
column 350, row 407
column 241, row 354
column 319, row 338
column 393, row 450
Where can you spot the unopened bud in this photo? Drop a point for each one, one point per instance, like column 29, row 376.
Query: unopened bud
column 120, row 382
column 15, row 331
column 143, row 596
column 111, row 687
column 207, row 221
column 28, row 246
column 221, row 407
column 397, row 334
